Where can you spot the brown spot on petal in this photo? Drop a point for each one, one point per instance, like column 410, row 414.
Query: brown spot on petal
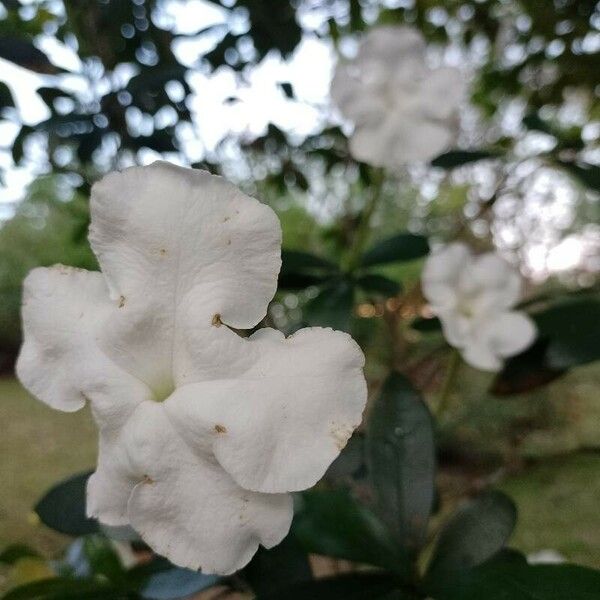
column 341, row 435
column 216, row 320
column 220, row 428
column 121, row 301
column 148, row 480
column 226, row 219
column 163, row 251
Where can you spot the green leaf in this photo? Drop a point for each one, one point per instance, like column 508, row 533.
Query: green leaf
column 356, row 586
column 525, row 371
column 294, row 261
column 473, row 535
column 11, row 554
column 573, row 331
column 103, row 558
column 401, row 457
column 63, row 507
column 379, row 285
column 334, row 524
column 66, row 588
column 332, row 307
column 457, row 158
column 272, row 570
column 587, row 174
column 401, row 247
column 300, row 270
column 427, row 325
column 516, row 580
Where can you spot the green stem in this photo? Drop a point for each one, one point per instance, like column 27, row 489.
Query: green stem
column 361, row 236
column 446, row 388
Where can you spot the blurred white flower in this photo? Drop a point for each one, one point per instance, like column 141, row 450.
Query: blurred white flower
column 472, row 296
column 202, row 432
column 545, row 557
column 402, row 110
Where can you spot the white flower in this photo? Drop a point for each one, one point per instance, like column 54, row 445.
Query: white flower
column 546, row 557
column 402, row 110
column 202, row 432
column 472, row 296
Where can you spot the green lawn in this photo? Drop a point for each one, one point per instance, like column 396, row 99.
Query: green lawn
column 38, row 446
column 557, row 499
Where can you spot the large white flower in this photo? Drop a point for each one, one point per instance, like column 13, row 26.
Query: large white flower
column 402, row 110
column 473, row 296
column 202, row 432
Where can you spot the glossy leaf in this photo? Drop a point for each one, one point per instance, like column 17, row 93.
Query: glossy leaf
column 473, row 535
column 587, row 174
column 334, row 524
column 356, row 586
column 427, row 325
column 11, row 554
column 66, row 588
column 573, row 332
column 517, row 580
column 63, row 507
column 274, row 569
column 332, row 307
column 525, row 372
column 401, row 458
column 401, row 247
column 379, row 284
column 457, row 158
column 103, row 558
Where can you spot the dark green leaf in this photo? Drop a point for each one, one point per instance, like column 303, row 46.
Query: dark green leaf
column 427, row 325
column 103, row 558
column 294, row 261
column 287, row 88
column 526, row 371
column 65, row 588
column 401, row 247
column 401, row 458
column 332, row 307
column 587, row 174
column 573, row 331
column 63, row 507
column 23, row 53
column 6, row 98
column 356, row 586
column 350, row 464
column 284, row 565
column 457, row 158
column 473, row 535
column 333, row 523
column 15, row 552
column 516, row 580
column 379, row 285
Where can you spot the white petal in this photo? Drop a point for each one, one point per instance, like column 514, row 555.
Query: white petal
column 60, row 362
column 417, row 138
column 391, row 44
column 298, row 405
column 481, row 356
column 188, row 509
column 168, row 238
column 457, row 328
column 509, row 333
column 441, row 93
column 441, row 274
column 494, row 282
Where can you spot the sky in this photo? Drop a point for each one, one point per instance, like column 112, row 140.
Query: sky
column 549, row 197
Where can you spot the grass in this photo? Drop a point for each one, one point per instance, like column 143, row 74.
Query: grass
column 39, row 446
column 558, row 507
column 557, row 499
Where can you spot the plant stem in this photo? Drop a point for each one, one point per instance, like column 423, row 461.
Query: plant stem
column 446, row 388
column 361, row 236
